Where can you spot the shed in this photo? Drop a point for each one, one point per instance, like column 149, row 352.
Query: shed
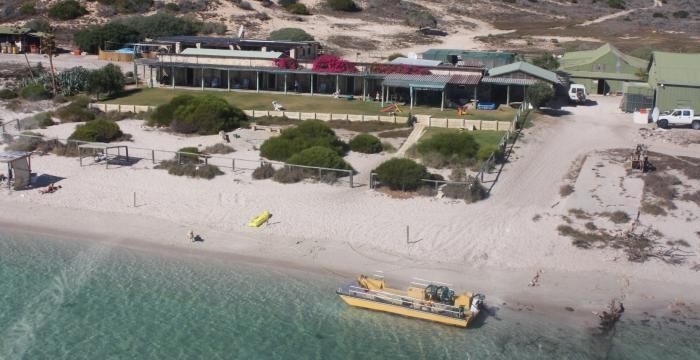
column 14, row 39
column 675, row 78
column 636, row 96
column 513, row 79
column 486, row 59
column 19, row 168
column 603, row 70
column 415, row 62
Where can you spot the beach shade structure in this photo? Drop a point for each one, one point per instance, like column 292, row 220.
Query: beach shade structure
column 101, row 152
column 19, row 168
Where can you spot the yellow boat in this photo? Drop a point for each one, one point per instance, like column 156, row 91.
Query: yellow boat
column 260, row 219
column 433, row 302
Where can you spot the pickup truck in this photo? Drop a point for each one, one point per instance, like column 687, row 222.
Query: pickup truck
column 679, row 117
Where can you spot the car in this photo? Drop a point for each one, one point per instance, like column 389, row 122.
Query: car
column 679, row 117
column 577, row 93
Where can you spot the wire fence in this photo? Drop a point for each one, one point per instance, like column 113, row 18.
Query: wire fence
column 156, row 156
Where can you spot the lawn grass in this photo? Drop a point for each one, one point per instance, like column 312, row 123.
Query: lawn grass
column 302, row 103
column 482, row 137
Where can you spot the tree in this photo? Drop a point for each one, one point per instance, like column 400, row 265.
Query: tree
column 94, row 38
column 39, row 25
column 206, row 115
column 48, row 45
column 290, row 34
column 539, row 94
column 546, row 61
column 108, row 80
column 333, row 64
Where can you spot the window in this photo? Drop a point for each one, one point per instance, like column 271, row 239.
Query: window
column 686, row 113
column 676, row 113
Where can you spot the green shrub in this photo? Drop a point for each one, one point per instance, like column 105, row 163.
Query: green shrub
column 293, row 140
column 27, row 143
column 298, row 9
column 43, row 120
column 264, row 171
column 217, row 28
column 190, row 169
column 107, row 80
column 401, row 174
column 189, row 154
column 76, row 111
column 682, row 14
column 343, row 5
column 290, row 34
column 66, row 10
column 448, row 148
column 163, row 115
column 97, row 131
column 27, row 9
column 40, row 25
column 319, row 156
column 420, row 18
column 366, row 143
column 288, row 175
column 616, row 4
column 7, row 94
column 128, row 6
column 172, row 7
column 206, row 115
column 34, row 92
column 539, row 94
column 218, row 149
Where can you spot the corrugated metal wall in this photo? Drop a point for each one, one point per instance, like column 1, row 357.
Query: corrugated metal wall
column 671, row 97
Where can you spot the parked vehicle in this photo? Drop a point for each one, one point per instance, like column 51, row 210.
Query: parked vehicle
column 577, row 93
column 679, row 117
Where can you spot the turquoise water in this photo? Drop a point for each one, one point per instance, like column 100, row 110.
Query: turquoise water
column 73, row 300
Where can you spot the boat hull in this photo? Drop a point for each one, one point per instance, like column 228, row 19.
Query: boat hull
column 399, row 310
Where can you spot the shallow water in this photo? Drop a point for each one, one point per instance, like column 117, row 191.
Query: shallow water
column 73, row 300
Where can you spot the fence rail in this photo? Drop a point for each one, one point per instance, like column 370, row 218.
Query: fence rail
column 225, row 162
column 429, row 120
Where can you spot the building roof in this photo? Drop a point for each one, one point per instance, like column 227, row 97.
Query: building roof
column 577, row 58
column 507, row 81
column 429, row 81
column 527, row 68
column 677, row 68
column 225, row 41
column 602, row 75
column 10, row 156
column 415, row 62
column 14, row 30
column 270, row 55
column 483, row 58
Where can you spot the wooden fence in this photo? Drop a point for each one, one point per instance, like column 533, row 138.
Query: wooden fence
column 428, row 120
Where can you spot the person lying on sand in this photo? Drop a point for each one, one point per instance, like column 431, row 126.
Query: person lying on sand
column 50, row 189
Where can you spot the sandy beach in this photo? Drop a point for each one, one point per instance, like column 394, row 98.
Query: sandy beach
column 494, row 246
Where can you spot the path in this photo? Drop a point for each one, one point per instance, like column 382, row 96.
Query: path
column 611, row 16
column 418, row 131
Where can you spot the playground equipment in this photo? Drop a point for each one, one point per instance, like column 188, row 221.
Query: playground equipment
column 391, row 108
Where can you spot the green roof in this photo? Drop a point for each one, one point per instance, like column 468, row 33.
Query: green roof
column 577, row 58
column 13, row 30
column 677, row 68
column 486, row 58
column 602, row 75
column 270, row 55
column 527, row 68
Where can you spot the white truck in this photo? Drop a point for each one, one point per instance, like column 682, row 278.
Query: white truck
column 577, row 93
column 679, row 117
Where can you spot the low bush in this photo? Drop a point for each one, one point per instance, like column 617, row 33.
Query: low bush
column 293, row 140
column 288, row 175
column 163, row 115
column 27, row 9
column 616, row 4
column 66, row 10
column 455, row 191
column 343, row 5
column 319, row 156
column 448, row 148
column 172, row 7
column 43, row 120
column 485, row 152
column 264, row 171
column 206, row 115
column 7, row 94
column 217, row 28
column 298, row 9
column 189, row 169
column 34, row 92
column 189, row 155
column 366, row 143
column 290, row 34
column 682, row 14
column 401, row 174
column 388, row 147
column 476, row 192
column 218, row 149
column 76, row 111
column 27, row 143
column 97, row 131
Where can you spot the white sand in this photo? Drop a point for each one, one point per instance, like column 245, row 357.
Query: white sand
column 493, row 245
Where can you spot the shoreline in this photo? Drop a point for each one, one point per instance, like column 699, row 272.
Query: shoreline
column 505, row 289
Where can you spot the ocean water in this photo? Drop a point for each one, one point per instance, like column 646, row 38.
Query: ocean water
column 74, row 300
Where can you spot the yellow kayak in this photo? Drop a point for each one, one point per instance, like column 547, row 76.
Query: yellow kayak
column 260, row 219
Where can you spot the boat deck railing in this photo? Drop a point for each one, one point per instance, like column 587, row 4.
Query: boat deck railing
column 401, row 300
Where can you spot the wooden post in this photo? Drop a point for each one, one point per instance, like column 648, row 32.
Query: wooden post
column 172, row 76
column 153, row 156
column 408, row 236
column 233, row 164
column 364, row 89
column 228, row 82
column 150, row 77
column 508, row 95
column 442, row 101
column 134, row 198
column 382, row 96
column 351, row 182
column 312, row 84
column 257, row 81
column 285, row 83
column 337, row 84
column 202, row 79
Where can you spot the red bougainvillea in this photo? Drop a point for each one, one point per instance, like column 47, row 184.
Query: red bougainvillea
column 398, row 69
column 333, row 64
column 286, row 63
